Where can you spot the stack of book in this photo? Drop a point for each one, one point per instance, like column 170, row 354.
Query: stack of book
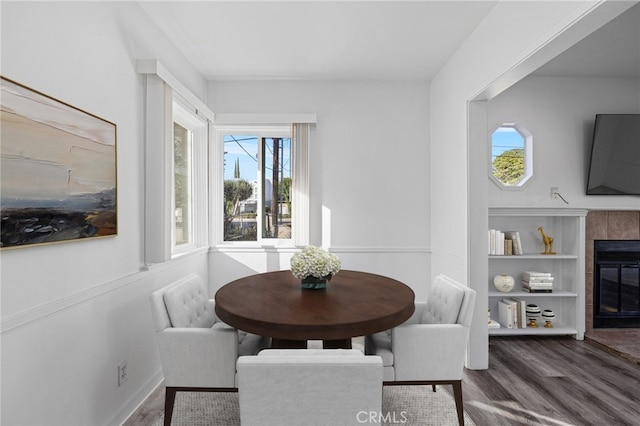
column 512, row 312
column 492, row 323
column 505, row 243
column 537, row 282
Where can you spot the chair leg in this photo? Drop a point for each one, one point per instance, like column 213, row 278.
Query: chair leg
column 457, row 395
column 169, row 399
column 433, row 387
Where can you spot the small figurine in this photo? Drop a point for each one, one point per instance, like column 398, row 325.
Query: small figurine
column 548, row 242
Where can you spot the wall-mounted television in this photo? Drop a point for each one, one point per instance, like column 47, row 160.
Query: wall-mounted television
column 614, row 168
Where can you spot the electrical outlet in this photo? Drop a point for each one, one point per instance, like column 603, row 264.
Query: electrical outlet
column 122, row 373
column 554, row 192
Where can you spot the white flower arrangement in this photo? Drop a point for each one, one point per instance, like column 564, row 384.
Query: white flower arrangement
column 314, row 262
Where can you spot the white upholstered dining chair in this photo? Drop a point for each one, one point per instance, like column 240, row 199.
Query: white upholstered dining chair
column 430, row 347
column 309, row 387
column 198, row 352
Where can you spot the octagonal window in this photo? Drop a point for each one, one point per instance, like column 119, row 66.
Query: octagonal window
column 511, row 156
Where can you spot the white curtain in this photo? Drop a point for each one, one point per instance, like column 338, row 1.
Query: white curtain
column 300, row 184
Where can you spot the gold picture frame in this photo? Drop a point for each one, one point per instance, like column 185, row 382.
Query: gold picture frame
column 58, row 170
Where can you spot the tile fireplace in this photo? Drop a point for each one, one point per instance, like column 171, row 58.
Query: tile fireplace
column 605, row 225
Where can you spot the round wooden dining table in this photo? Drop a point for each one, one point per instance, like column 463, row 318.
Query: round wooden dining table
column 353, row 304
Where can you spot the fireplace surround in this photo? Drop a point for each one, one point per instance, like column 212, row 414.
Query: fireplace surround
column 606, row 226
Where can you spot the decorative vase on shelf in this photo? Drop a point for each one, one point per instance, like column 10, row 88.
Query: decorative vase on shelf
column 503, row 282
column 548, row 316
column 533, row 313
column 314, row 283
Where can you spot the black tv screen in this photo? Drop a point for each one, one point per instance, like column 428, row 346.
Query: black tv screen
column 615, row 155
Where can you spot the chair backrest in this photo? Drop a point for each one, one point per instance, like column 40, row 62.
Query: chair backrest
column 449, row 302
column 468, row 304
column 309, row 387
column 182, row 304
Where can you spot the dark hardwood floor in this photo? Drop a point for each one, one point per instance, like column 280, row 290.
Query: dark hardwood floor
column 532, row 381
column 552, row 381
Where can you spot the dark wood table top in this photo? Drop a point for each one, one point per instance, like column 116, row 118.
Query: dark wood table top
column 353, row 304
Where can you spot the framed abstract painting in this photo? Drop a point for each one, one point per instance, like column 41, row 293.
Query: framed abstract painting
column 57, row 170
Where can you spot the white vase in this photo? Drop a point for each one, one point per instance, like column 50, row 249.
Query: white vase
column 503, row 282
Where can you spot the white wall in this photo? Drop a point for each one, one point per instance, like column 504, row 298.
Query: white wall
column 513, row 40
column 559, row 112
column 369, row 169
column 72, row 312
column 505, row 38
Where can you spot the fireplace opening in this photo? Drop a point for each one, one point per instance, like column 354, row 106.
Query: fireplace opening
column 616, row 284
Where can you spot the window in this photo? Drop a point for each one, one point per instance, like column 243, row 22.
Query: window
column 276, row 188
column 511, row 156
column 257, row 185
column 175, row 167
column 262, row 196
column 182, row 147
column 189, row 137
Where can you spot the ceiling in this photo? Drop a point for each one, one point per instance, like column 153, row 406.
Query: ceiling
column 360, row 40
column 332, row 40
column 611, row 51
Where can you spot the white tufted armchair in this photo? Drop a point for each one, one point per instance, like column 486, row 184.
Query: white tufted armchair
column 197, row 351
column 430, row 347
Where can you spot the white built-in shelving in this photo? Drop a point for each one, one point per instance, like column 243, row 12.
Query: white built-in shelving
column 567, row 228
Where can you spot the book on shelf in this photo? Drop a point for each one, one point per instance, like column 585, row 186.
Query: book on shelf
column 492, row 242
column 537, row 284
column 520, row 311
column 505, row 313
column 504, row 243
column 514, row 237
column 508, row 248
column 537, row 277
column 500, row 243
column 528, row 275
column 493, row 324
column 494, row 238
column 548, row 280
column 537, row 290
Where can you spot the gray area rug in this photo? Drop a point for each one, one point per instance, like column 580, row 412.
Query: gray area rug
column 406, row 405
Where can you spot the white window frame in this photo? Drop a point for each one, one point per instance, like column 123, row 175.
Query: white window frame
column 299, row 131
column 528, row 157
column 161, row 90
column 187, row 117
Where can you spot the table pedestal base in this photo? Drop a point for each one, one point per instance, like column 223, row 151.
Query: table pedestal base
column 288, row 344
column 336, row 344
column 302, row 344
